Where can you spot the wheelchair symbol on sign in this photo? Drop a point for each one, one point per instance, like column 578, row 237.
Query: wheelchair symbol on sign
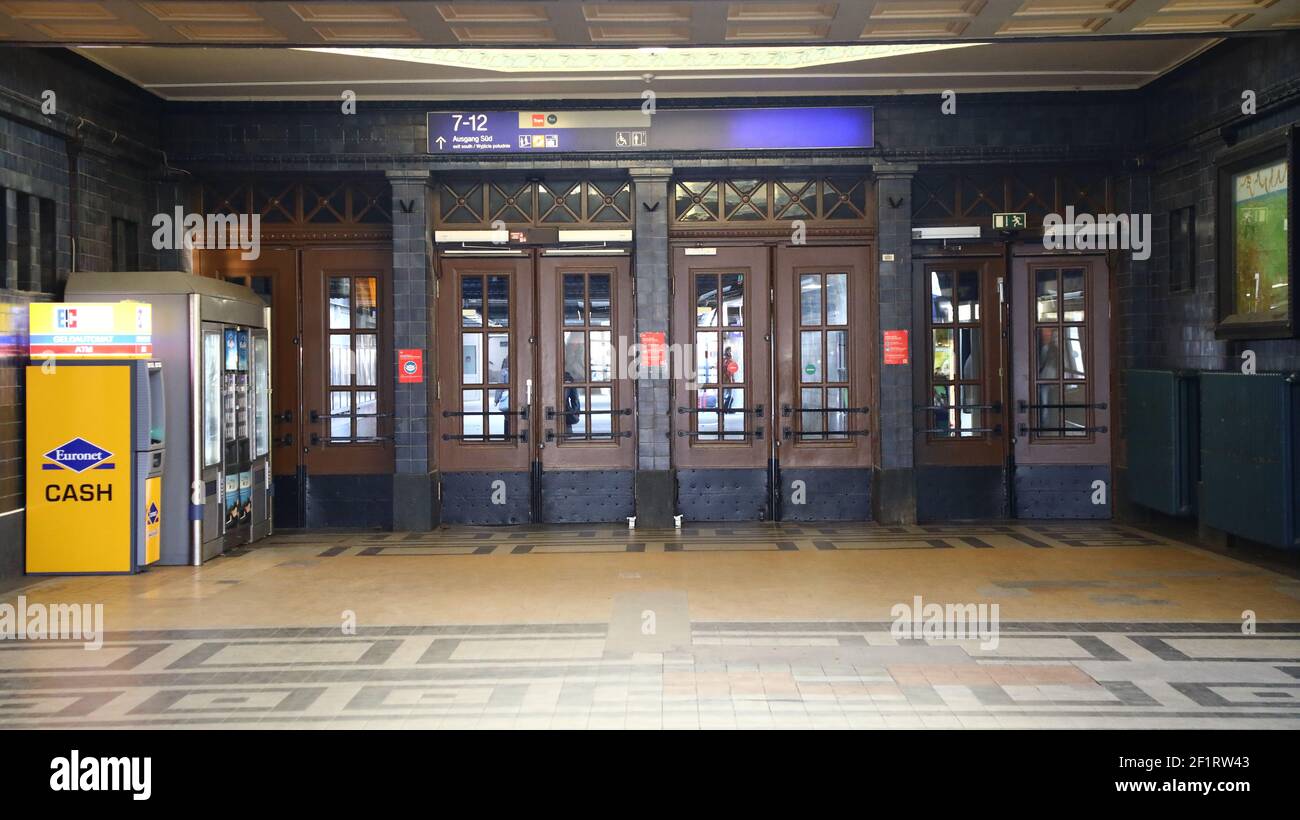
column 621, row 139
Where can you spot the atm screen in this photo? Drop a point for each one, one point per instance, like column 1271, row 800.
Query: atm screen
column 232, row 349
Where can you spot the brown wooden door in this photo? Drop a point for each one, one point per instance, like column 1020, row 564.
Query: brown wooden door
column 347, row 361
column 585, row 394
column 961, row 411
column 825, row 346
column 485, row 354
column 721, row 413
column 1061, row 360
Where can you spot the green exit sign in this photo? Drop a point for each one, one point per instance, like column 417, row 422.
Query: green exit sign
column 1008, row 221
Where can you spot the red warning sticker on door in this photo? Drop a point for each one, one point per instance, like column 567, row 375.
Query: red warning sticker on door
column 410, row 365
column 652, row 348
column 896, row 347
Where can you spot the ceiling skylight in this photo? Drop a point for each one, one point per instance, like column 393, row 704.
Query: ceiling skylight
column 593, row 60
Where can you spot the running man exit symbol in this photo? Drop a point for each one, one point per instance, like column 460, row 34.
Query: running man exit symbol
column 1010, row 221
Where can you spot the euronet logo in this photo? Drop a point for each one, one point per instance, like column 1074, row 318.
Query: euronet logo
column 52, row 622
column 78, row 455
column 75, row 773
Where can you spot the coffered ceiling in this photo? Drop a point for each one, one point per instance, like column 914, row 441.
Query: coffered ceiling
column 480, row 23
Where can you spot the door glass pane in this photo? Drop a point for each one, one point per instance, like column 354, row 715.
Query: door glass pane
column 496, row 425
column 598, row 286
column 471, row 301
column 340, row 302
column 601, row 419
column 967, row 415
column 602, row 356
column 968, row 346
column 732, row 363
column 367, row 405
column 706, row 357
column 1046, row 295
column 837, row 355
column 810, row 345
column 262, row 395
column 1072, row 284
column 810, row 399
column 941, row 420
column 340, row 359
column 1075, row 418
column 471, row 403
column 837, row 298
column 1075, row 367
column 1049, row 353
column 471, row 353
column 1049, row 417
column 575, row 356
column 367, row 345
column 706, row 423
column 940, row 296
column 498, row 301
column 968, row 296
column 498, row 358
column 706, row 300
column 837, row 422
column 500, row 404
column 211, row 397
column 733, row 298
column 942, row 354
column 367, row 306
column 733, row 398
column 340, row 405
column 574, row 298
column 810, row 300
column 574, row 404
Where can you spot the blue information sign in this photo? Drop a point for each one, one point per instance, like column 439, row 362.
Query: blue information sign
column 693, row 129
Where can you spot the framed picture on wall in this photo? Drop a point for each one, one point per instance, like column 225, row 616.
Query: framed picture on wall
column 1256, row 242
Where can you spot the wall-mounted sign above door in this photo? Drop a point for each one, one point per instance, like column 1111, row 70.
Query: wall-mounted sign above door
column 691, row 129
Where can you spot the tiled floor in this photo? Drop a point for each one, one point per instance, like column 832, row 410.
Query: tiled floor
column 745, row 626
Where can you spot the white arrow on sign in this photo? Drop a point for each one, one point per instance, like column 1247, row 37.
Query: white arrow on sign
column 440, row 142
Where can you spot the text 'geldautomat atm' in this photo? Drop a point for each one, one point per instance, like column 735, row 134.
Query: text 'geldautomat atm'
column 95, row 435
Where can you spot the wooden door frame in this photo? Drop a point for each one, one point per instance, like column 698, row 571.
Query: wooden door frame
column 620, row 453
column 989, row 450
column 1096, row 448
column 755, row 262
column 369, row 459
column 857, row 261
column 504, row 456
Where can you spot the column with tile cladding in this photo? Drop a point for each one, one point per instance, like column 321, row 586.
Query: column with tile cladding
column 415, row 502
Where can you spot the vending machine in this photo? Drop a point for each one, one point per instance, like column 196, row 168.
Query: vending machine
column 213, row 339
column 96, row 439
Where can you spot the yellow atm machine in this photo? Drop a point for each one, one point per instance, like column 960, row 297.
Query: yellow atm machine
column 95, row 439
